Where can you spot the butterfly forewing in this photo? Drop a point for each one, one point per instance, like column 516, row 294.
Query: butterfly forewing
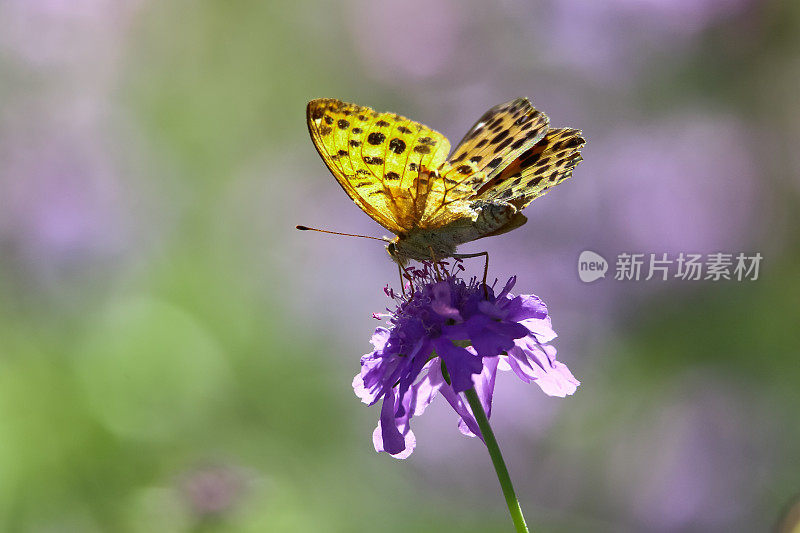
column 380, row 159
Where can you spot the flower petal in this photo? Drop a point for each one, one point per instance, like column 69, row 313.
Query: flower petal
column 541, row 328
column 379, row 338
column 484, row 387
column 414, row 362
column 509, row 285
column 535, row 363
column 369, row 383
column 525, row 306
column 492, row 338
column 426, row 389
column 491, row 309
column 484, row 383
column 442, row 302
column 366, row 395
column 460, row 363
column 393, row 435
column 558, row 381
column 409, row 443
column 467, row 424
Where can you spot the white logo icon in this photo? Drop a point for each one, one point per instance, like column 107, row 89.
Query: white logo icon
column 591, row 266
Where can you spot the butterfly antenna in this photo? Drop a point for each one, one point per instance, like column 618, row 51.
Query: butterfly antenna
column 306, row 228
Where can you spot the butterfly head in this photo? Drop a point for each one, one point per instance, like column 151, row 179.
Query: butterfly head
column 395, row 254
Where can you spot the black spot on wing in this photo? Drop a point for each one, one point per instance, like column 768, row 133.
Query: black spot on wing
column 518, row 143
column 422, row 149
column 375, row 138
column 499, row 137
column 503, row 145
column 397, row 146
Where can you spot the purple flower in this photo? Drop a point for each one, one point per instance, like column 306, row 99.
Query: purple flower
column 449, row 336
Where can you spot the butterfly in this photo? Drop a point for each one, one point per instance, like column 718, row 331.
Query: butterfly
column 402, row 174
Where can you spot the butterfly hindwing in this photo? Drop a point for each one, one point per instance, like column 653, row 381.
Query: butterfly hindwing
column 380, row 159
column 502, row 131
column 494, row 141
column 537, row 170
column 497, row 138
column 499, row 200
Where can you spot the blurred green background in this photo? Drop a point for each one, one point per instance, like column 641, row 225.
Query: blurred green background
column 175, row 357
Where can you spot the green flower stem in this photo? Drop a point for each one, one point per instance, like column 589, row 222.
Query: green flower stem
column 497, row 460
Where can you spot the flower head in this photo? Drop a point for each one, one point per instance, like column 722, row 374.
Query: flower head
column 447, row 336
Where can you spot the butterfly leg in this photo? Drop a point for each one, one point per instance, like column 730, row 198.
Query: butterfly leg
column 435, row 265
column 404, row 275
column 402, row 282
column 485, row 267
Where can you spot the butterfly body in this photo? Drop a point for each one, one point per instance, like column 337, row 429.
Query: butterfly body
column 480, row 219
column 398, row 171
